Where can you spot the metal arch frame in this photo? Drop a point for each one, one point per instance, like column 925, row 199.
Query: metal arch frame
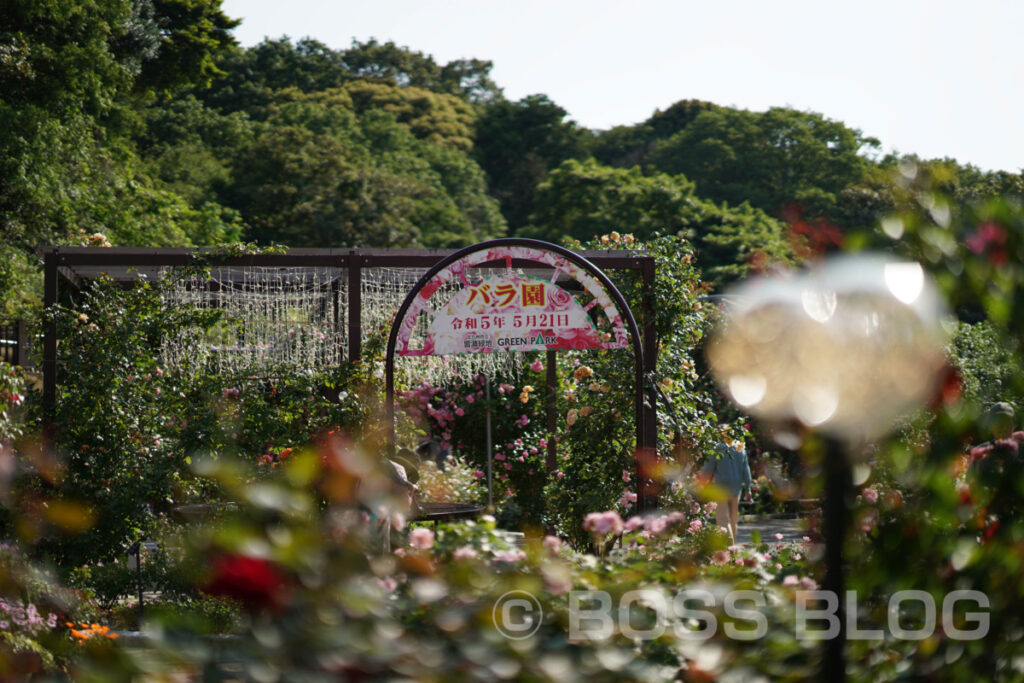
column 642, row 447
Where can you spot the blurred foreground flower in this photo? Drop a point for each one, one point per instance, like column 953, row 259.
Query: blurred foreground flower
column 846, row 347
column 254, row 582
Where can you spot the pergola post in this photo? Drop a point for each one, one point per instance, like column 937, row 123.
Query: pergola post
column 50, row 336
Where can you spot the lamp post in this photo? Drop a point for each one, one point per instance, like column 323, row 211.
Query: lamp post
column 844, row 348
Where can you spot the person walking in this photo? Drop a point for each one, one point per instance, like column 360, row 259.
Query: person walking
column 728, row 470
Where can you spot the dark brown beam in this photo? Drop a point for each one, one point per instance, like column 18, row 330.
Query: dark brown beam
column 50, row 338
column 355, row 306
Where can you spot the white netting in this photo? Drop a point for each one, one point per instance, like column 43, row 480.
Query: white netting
column 287, row 319
column 272, row 319
column 386, row 288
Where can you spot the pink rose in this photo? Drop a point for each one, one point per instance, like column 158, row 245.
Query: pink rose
column 421, row 539
column 657, row 525
column 603, row 523
column 514, row 555
column 634, row 523
column 552, row 544
column 464, row 553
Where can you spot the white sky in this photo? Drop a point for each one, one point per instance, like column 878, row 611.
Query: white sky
column 936, row 78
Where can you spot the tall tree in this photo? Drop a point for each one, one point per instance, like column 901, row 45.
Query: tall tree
column 67, row 72
column 581, row 200
column 192, row 35
column 772, row 159
column 323, row 173
column 626, row 146
column 517, row 143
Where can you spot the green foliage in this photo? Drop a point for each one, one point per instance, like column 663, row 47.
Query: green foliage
column 580, row 200
column 437, row 118
column 111, row 420
column 987, row 367
column 456, row 483
column 12, row 401
column 771, row 159
column 596, row 390
column 66, row 77
column 126, row 426
column 628, row 146
column 252, row 75
column 517, row 144
column 319, row 173
column 192, row 34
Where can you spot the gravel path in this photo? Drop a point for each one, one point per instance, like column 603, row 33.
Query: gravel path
column 793, row 530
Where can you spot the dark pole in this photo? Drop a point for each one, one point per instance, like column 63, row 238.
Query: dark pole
column 21, row 349
column 136, row 548
column 490, row 447
column 647, row 488
column 838, row 482
column 355, row 307
column 552, row 387
column 50, row 338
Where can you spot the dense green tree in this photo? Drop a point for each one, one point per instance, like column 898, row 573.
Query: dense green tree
column 581, row 200
column 190, row 147
column 68, row 69
column 987, row 368
column 468, row 78
column 191, row 35
column 321, row 174
column 438, row 118
column 773, row 159
column 251, row 76
column 517, row 143
column 627, row 146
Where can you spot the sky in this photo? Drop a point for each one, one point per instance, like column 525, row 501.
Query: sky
column 937, row 78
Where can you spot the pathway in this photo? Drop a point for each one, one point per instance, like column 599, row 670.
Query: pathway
column 793, row 530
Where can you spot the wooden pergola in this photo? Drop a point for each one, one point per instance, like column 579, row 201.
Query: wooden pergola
column 67, row 269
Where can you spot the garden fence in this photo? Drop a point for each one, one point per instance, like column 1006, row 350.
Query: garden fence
column 13, row 342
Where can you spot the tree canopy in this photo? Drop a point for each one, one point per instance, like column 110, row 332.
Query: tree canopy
column 581, row 200
column 144, row 121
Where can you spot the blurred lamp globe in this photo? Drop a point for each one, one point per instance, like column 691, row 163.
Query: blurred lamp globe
column 846, row 347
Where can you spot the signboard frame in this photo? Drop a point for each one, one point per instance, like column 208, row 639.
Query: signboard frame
column 499, row 252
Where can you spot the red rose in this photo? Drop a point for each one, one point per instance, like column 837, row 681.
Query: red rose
column 253, row 581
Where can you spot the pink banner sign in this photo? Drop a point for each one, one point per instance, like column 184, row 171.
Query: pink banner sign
column 512, row 312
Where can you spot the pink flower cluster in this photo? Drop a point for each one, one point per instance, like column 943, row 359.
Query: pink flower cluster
column 553, row 544
column 421, row 406
column 603, row 523
column 509, row 556
column 655, row 525
column 27, row 618
column 627, row 499
column 421, row 539
column 464, row 553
